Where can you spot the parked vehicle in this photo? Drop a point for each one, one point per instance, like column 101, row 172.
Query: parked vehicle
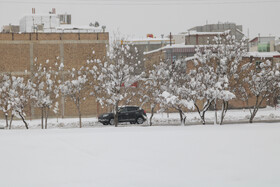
column 132, row 114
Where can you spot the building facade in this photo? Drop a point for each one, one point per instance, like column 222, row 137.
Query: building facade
column 262, row 44
column 19, row 51
column 236, row 30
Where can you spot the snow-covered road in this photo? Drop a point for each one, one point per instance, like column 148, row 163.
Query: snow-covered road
column 229, row 155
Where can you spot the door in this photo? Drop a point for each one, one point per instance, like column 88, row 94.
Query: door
column 122, row 114
column 131, row 113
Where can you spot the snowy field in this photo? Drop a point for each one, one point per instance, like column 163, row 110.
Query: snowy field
column 196, row 155
column 159, row 119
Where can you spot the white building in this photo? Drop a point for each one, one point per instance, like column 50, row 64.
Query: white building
column 39, row 23
column 53, row 22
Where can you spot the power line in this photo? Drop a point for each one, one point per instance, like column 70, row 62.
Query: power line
column 143, row 2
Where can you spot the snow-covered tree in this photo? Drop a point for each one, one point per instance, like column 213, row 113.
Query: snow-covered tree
column 223, row 57
column 4, row 95
column 174, row 90
column 260, row 82
column 115, row 75
column 15, row 95
column 46, row 80
column 150, row 91
column 75, row 88
column 202, row 80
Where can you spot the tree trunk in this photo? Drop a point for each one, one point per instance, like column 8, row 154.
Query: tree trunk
column 152, row 114
column 251, row 118
column 10, row 127
column 22, row 118
column 256, row 108
column 7, row 121
column 116, row 117
column 79, row 111
column 46, row 117
column 80, row 119
column 253, row 114
column 215, row 108
column 42, row 117
column 202, row 114
column 182, row 117
column 223, row 112
column 203, row 118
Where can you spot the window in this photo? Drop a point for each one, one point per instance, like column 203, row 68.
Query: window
column 131, row 108
column 123, row 109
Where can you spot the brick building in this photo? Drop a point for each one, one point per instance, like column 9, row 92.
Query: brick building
column 18, row 53
column 156, row 56
column 235, row 30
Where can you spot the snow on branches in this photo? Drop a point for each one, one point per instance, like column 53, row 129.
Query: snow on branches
column 117, row 75
column 261, row 81
column 220, row 63
column 15, row 94
column 75, row 87
column 174, row 89
column 46, row 80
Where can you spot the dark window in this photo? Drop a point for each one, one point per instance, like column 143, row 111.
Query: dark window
column 123, row 109
column 132, row 108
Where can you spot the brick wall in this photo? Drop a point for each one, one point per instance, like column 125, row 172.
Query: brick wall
column 154, row 58
column 18, row 53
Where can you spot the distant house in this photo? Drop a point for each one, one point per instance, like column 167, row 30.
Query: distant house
column 10, row 28
column 235, row 30
column 149, row 43
column 277, row 45
column 201, row 35
column 262, row 44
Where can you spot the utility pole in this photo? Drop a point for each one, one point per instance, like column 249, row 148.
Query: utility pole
column 171, row 50
column 170, row 37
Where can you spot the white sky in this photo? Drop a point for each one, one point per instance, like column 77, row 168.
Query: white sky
column 137, row 18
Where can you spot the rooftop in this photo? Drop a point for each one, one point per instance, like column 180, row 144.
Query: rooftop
column 263, row 54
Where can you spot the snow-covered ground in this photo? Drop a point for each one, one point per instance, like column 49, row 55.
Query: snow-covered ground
column 196, row 155
column 232, row 116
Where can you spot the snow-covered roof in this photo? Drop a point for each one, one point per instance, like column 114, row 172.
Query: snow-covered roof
column 263, row 54
column 74, row 27
column 262, row 37
column 40, row 15
column 175, row 46
column 190, row 58
column 147, row 39
column 189, row 33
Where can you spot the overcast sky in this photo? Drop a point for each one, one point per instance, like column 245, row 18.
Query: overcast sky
column 138, row 18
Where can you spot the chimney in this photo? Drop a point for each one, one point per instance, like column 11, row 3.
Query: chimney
column 53, row 11
column 33, row 10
